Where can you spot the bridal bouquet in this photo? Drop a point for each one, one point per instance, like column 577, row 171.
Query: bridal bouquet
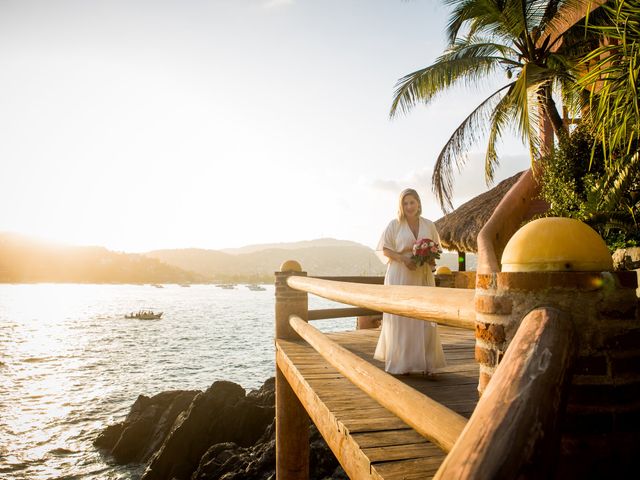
column 425, row 250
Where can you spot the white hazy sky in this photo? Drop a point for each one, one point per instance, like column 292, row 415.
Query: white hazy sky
column 139, row 125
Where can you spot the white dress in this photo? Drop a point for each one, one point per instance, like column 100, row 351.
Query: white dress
column 407, row 345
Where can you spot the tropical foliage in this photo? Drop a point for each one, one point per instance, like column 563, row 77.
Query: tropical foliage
column 577, row 184
column 611, row 78
column 515, row 37
column 595, row 176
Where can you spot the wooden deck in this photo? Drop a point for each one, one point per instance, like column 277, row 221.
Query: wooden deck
column 369, row 441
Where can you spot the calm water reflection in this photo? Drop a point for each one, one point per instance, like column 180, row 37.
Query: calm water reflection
column 70, row 363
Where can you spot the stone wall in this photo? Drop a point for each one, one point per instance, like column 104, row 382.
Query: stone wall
column 457, row 280
column 602, row 420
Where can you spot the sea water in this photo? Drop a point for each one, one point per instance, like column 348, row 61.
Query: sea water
column 71, row 364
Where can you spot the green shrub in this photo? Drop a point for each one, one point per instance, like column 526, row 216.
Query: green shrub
column 577, row 185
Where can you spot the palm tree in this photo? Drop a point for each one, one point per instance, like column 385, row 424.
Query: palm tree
column 522, row 38
column 612, row 81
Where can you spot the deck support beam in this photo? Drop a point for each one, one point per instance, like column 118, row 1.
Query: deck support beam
column 292, row 421
column 441, row 425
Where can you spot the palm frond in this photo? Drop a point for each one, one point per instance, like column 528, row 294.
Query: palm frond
column 568, row 14
column 461, row 64
column 453, row 153
column 500, row 118
column 612, row 81
column 473, row 14
column 524, row 96
column 618, row 181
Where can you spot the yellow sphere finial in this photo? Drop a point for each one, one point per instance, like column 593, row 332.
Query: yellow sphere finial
column 556, row 244
column 290, row 266
column 443, row 270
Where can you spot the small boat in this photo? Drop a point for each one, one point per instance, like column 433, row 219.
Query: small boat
column 144, row 315
column 255, row 287
column 157, row 285
column 227, row 286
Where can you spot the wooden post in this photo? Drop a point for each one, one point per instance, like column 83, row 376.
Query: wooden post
column 462, row 261
column 292, row 421
column 368, row 321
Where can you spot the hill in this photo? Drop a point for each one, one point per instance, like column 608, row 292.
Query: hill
column 321, row 257
column 25, row 260
column 320, row 242
column 258, row 262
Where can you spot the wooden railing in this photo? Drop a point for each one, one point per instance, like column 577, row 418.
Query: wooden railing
column 519, row 204
column 514, row 430
column 502, row 439
column 442, row 426
column 447, row 306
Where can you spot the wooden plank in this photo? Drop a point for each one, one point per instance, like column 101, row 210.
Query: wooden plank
column 353, row 460
column 353, row 425
column 385, row 438
column 368, row 440
column 403, row 452
column 415, row 468
column 442, row 426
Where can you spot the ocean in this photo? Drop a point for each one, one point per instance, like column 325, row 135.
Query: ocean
column 71, row 364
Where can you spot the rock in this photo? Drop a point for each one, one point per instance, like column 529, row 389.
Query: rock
column 109, row 436
column 145, row 427
column 221, row 433
column 222, row 414
column 626, row 258
column 228, row 461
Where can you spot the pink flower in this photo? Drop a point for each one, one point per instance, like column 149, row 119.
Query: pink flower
column 424, row 251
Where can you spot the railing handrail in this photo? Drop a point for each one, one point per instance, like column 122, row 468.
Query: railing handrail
column 442, row 425
column 375, row 280
column 506, row 218
column 326, row 313
column 447, row 306
column 515, row 424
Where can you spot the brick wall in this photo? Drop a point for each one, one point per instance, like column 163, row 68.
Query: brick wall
column 602, row 420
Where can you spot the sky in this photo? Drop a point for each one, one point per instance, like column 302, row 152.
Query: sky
column 140, row 125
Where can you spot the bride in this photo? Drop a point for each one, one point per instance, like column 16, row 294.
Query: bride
column 407, row 345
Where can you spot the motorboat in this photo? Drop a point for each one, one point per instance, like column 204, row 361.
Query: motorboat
column 255, row 287
column 144, row 315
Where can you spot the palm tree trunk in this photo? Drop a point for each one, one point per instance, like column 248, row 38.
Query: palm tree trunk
column 550, row 121
column 546, row 135
column 551, row 112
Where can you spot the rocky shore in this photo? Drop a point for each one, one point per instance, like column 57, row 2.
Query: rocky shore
column 221, row 433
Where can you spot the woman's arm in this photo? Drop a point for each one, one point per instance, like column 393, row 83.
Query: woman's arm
column 398, row 257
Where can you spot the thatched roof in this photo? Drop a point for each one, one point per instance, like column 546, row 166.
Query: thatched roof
column 459, row 229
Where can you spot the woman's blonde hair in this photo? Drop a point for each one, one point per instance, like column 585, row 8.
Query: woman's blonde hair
column 404, row 193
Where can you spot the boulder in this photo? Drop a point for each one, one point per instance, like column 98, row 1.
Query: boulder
column 228, row 461
column 222, row 433
column 222, row 414
column 145, row 427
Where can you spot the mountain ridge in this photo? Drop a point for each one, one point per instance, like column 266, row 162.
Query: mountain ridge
column 26, row 259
